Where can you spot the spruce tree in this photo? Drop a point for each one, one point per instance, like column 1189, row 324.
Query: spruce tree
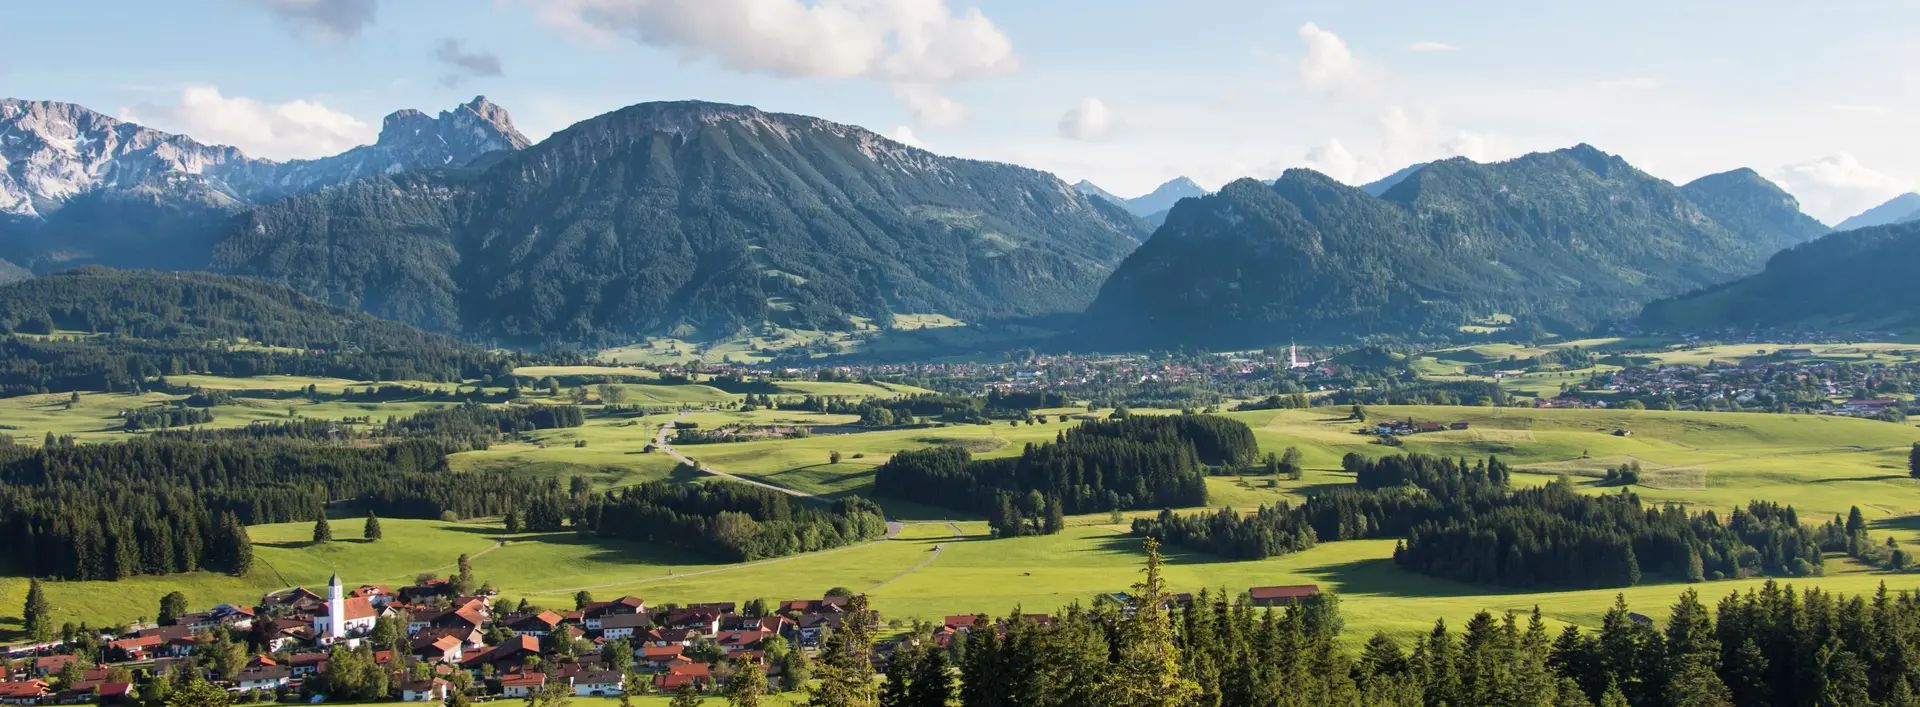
column 37, row 617
column 686, row 696
column 1913, row 461
column 322, row 532
column 932, row 681
column 1148, row 673
column 846, row 661
column 239, row 547
column 372, row 531
column 749, row 685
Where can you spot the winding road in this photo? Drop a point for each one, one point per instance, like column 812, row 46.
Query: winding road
column 660, row 442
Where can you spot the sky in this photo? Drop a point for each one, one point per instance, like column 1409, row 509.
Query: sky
column 1821, row 97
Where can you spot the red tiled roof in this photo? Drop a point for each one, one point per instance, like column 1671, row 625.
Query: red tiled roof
column 354, row 608
column 1289, row 592
column 524, row 680
column 17, row 690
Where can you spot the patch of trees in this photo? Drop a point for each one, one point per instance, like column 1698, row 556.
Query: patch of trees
column 474, row 426
column 1136, row 462
column 162, row 416
column 1268, row 532
column 1425, row 393
column 168, row 504
column 728, row 521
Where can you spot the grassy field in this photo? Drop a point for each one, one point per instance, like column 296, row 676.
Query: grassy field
column 970, row 573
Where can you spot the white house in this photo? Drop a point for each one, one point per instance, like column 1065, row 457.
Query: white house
column 435, row 690
column 599, row 683
column 522, row 684
column 265, row 677
column 624, row 625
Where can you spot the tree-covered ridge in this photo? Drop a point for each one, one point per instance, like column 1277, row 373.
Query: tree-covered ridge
column 730, row 521
column 1561, row 241
column 693, row 218
column 1847, row 281
column 138, row 325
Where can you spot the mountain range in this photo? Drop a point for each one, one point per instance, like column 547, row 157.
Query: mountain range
column 1562, row 241
column 692, row 219
column 1899, row 209
column 80, row 186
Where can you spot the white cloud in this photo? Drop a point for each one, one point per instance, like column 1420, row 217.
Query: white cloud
column 1330, row 67
column 292, row 130
column 1635, row 83
column 1335, row 160
column 331, row 20
column 897, row 40
column 929, row 106
column 904, row 135
column 1837, row 186
column 1091, row 120
column 1431, row 47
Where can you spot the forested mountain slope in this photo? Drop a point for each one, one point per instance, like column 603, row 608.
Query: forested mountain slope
column 1561, row 241
column 691, row 219
column 1847, row 281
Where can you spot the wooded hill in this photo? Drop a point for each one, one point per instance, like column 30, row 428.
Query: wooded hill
column 117, row 328
column 1848, row 281
column 691, row 219
column 1561, row 241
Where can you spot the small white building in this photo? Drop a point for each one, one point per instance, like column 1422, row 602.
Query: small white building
column 265, row 677
column 343, row 616
column 599, row 683
column 435, row 690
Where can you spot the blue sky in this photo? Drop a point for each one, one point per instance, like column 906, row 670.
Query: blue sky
column 1820, row 96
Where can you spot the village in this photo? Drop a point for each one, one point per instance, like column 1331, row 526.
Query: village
column 1782, row 382
column 432, row 644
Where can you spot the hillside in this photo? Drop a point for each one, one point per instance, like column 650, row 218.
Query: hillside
column 78, row 186
column 1747, row 204
column 691, row 219
column 1848, row 281
column 1561, row 241
column 139, row 324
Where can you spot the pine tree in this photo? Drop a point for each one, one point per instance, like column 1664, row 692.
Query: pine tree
column 846, row 661
column 239, row 547
column 37, row 617
column 749, row 685
column 932, row 681
column 322, row 532
column 1913, row 461
column 372, row 531
column 686, row 696
column 1696, row 685
column 1613, row 697
column 513, row 522
column 1148, row 673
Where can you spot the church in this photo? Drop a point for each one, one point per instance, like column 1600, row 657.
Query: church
column 343, row 617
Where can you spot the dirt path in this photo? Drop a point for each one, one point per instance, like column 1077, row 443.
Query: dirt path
column 935, row 555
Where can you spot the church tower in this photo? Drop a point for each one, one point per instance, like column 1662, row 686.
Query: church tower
column 336, row 610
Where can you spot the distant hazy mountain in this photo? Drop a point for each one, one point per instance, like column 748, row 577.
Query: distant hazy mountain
column 1380, row 187
column 1560, row 240
column 692, row 219
column 1899, row 209
column 80, row 186
column 1848, row 281
column 1164, row 197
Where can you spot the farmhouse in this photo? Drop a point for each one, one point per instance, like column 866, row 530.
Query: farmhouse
column 1281, row 596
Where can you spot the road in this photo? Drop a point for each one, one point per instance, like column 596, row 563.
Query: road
column 660, row 443
column 935, row 555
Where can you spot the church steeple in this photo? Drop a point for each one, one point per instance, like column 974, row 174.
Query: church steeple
column 336, row 609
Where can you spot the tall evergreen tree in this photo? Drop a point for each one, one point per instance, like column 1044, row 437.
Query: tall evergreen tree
column 846, row 661
column 1148, row 672
column 687, row 695
column 37, row 617
column 372, row 531
column 322, row 532
column 932, row 684
column 1913, row 461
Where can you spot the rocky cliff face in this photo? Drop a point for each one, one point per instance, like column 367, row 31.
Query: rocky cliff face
column 80, row 186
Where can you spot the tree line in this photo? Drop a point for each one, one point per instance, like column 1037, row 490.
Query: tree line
column 165, row 505
column 1460, row 520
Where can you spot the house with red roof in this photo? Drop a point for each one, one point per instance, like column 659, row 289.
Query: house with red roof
column 522, row 684
column 25, row 692
column 1281, row 596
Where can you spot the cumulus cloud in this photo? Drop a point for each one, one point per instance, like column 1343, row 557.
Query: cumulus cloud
column 462, row 65
column 1837, row 186
column 1431, row 47
column 292, row 130
column 929, row 106
column 904, row 135
column 1633, row 83
column 1330, row 67
column 1091, row 120
column 918, row 44
column 325, row 19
